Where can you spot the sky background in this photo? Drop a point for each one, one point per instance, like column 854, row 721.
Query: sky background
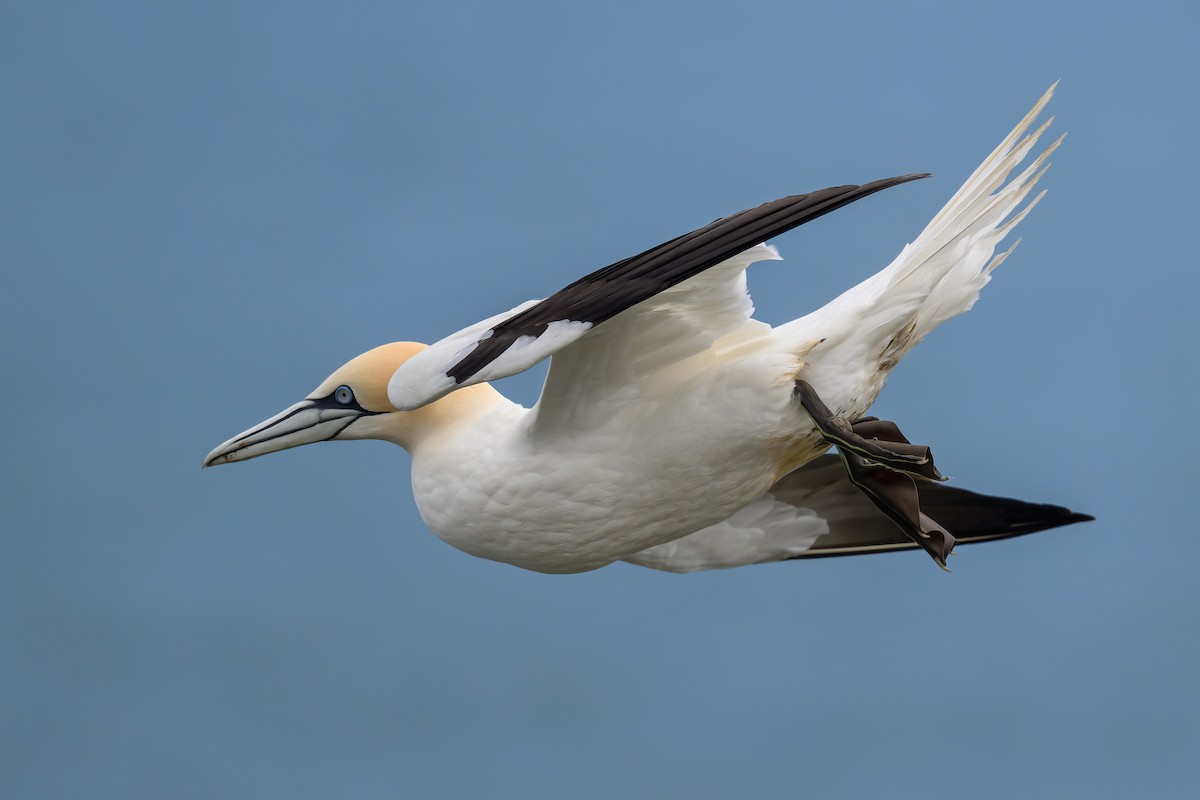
column 207, row 207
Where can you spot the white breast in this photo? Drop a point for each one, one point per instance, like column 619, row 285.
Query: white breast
column 661, row 469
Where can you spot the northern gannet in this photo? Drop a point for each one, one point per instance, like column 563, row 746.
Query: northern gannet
column 675, row 431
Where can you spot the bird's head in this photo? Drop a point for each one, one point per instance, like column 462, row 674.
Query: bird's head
column 352, row 403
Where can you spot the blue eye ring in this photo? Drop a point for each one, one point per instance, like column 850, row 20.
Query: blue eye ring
column 343, row 395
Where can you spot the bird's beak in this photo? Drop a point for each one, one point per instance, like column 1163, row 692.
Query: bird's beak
column 304, row 423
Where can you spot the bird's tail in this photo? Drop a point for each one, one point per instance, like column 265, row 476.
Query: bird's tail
column 936, row 277
column 816, row 512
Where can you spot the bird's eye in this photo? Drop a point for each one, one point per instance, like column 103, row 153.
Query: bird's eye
column 344, row 395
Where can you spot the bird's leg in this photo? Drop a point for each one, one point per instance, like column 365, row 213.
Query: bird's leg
column 884, row 466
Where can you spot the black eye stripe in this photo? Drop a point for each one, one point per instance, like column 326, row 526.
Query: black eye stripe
column 331, row 401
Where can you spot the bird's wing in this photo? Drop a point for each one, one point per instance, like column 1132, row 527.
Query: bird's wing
column 816, row 512
column 869, row 328
column 516, row 340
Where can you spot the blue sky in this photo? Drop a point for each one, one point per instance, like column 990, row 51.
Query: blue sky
column 207, row 207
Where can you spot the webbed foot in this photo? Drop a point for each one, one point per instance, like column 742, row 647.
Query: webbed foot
column 882, row 463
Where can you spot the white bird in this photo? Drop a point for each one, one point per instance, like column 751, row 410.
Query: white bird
column 674, row 430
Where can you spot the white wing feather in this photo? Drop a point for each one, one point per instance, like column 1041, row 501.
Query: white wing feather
column 862, row 334
column 422, row 379
column 687, row 325
column 869, row 328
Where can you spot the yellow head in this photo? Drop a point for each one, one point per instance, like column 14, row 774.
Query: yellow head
column 352, row 403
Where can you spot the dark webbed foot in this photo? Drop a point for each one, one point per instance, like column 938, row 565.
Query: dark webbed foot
column 882, row 464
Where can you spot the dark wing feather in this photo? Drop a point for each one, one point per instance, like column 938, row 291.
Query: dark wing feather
column 609, row 291
column 970, row 516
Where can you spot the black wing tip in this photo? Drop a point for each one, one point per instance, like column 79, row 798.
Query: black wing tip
column 1032, row 518
column 1049, row 517
column 885, row 183
column 846, row 193
column 835, row 197
column 1057, row 518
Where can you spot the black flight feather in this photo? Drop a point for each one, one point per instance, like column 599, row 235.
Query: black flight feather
column 609, row 291
column 969, row 516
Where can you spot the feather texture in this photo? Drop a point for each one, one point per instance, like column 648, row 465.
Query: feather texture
column 867, row 330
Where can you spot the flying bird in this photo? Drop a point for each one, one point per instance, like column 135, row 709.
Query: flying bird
column 674, row 430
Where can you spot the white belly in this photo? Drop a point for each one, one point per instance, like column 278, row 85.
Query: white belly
column 578, row 503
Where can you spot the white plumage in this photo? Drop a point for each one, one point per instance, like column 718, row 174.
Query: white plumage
column 668, row 432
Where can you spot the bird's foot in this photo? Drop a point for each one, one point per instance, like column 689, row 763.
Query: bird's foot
column 884, row 465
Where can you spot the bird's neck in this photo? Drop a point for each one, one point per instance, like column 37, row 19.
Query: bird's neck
column 430, row 423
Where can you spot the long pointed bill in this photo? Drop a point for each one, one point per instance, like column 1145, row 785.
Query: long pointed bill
column 304, row 423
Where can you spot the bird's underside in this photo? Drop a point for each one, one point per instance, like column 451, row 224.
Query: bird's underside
column 657, row 369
